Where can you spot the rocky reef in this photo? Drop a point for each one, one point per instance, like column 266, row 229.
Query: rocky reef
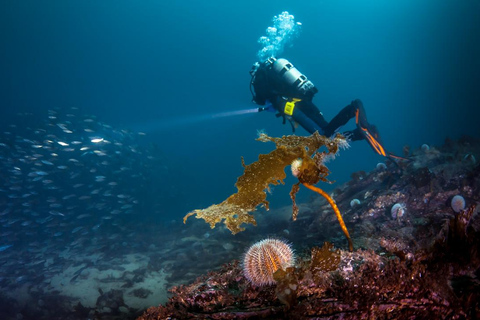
column 420, row 260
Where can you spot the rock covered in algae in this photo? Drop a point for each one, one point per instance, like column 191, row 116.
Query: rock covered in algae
column 268, row 170
column 438, row 282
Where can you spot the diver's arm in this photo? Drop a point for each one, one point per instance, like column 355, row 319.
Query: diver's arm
column 267, row 107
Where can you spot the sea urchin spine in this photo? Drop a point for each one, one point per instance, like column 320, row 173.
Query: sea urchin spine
column 264, row 258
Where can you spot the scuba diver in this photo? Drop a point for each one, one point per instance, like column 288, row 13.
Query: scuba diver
column 277, row 85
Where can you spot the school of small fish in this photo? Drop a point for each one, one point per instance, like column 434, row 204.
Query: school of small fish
column 66, row 181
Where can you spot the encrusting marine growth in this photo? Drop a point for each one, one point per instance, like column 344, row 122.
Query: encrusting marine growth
column 268, row 170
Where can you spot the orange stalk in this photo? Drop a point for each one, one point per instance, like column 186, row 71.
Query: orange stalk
column 335, row 209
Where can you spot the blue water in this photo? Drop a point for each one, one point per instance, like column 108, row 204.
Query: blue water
column 168, row 67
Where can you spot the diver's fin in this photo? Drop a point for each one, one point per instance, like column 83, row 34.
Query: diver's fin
column 369, row 132
column 394, row 159
column 392, row 156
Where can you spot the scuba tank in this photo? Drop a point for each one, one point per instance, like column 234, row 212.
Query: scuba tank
column 279, row 77
column 296, row 81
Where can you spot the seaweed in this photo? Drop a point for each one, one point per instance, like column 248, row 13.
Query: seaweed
column 325, row 259
column 268, row 170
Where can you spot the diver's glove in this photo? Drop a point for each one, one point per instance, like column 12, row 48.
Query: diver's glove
column 267, row 107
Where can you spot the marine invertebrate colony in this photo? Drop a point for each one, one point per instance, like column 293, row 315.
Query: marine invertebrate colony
column 458, row 203
column 264, row 258
column 398, row 210
column 354, row 203
column 268, row 170
column 381, row 166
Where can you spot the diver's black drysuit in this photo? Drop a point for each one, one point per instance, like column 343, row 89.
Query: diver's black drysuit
column 292, row 98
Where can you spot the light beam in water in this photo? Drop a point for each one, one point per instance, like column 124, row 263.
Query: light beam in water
column 233, row 113
column 175, row 122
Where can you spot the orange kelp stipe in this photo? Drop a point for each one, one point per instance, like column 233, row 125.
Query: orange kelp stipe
column 335, row 209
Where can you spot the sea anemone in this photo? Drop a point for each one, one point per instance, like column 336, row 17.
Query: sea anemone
column 425, row 147
column 342, row 142
column 458, row 203
column 470, row 158
column 398, row 210
column 381, row 166
column 295, row 166
column 264, row 258
column 354, row 203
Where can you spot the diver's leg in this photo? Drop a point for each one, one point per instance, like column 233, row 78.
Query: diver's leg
column 364, row 129
column 306, row 122
column 342, row 118
column 313, row 113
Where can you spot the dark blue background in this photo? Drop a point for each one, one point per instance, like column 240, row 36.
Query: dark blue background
column 164, row 66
